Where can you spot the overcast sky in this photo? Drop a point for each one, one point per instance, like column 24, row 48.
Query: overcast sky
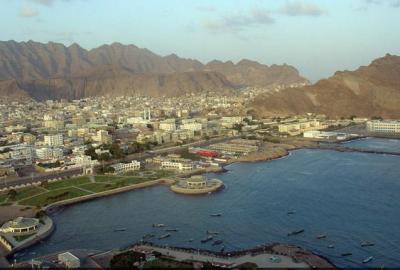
column 317, row 37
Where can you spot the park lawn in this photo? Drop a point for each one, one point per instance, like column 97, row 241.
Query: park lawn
column 99, row 187
column 3, row 197
column 54, row 196
column 23, row 193
column 67, row 183
column 106, row 178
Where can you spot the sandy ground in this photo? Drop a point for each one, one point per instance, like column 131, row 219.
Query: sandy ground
column 10, row 212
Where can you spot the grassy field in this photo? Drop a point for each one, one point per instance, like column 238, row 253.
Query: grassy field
column 49, row 193
column 67, row 183
column 54, row 196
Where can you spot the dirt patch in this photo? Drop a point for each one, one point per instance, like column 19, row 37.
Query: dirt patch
column 12, row 211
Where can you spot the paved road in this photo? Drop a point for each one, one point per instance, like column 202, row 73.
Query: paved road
column 40, row 177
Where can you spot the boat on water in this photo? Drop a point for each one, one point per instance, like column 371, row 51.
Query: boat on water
column 164, row 236
column 331, row 246
column 295, row 232
column 367, row 244
column 321, row 236
column 207, row 239
column 120, row 230
column 190, row 240
column 171, row 230
column 149, row 235
column 212, row 232
column 346, row 254
column 291, row 212
column 367, row 260
column 158, row 225
column 222, row 249
column 216, row 215
column 217, row 242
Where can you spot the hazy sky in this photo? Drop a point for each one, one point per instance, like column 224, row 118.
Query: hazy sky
column 317, row 37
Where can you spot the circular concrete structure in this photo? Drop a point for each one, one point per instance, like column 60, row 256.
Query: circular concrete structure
column 197, row 184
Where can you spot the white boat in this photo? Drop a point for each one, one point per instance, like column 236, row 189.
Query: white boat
column 367, row 260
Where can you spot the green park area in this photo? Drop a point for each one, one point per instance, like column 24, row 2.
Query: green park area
column 50, row 192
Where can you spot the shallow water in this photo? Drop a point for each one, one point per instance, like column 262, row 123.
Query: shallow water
column 350, row 197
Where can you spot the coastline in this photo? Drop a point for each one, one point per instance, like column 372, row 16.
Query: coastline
column 54, row 206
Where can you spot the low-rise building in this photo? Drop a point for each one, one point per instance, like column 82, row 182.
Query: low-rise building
column 385, row 126
column 120, row 168
column 179, row 164
column 20, row 225
column 53, row 140
column 69, row 260
column 234, row 148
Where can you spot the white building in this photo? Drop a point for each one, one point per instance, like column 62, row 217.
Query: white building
column 168, row 125
column 49, row 153
column 54, row 140
column 84, row 161
column 178, row 164
column 192, row 126
column 386, row 126
column 120, row 168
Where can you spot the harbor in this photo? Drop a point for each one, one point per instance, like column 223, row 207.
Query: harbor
column 252, row 212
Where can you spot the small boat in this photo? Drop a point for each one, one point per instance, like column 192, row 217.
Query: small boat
column 346, row 254
column 120, row 230
column 295, row 232
column 217, row 242
column 331, row 246
column 321, row 236
column 149, row 235
column 367, row 244
column 367, row 260
column 212, row 232
column 171, row 230
column 164, row 236
column 216, row 215
column 291, row 212
column 159, row 225
column 207, row 239
column 191, row 240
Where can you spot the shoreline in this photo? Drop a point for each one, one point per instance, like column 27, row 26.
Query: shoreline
column 51, row 208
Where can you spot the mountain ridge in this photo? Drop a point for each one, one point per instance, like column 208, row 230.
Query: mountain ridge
column 34, row 61
column 372, row 90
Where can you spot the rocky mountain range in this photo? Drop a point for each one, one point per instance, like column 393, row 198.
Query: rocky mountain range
column 372, row 90
column 53, row 71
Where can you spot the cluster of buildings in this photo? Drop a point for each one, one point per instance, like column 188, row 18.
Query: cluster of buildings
column 388, row 126
column 58, row 135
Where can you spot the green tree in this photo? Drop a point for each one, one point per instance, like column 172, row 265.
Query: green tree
column 116, row 151
column 91, row 152
column 12, row 194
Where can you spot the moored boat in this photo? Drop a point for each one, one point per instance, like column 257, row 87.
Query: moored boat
column 212, row 232
column 158, row 225
column 207, row 239
column 291, row 212
column 367, row 244
column 321, row 236
column 120, row 230
column 164, row 236
column 171, row 230
column 216, row 215
column 217, row 242
column 367, row 260
column 346, row 254
column 295, row 232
